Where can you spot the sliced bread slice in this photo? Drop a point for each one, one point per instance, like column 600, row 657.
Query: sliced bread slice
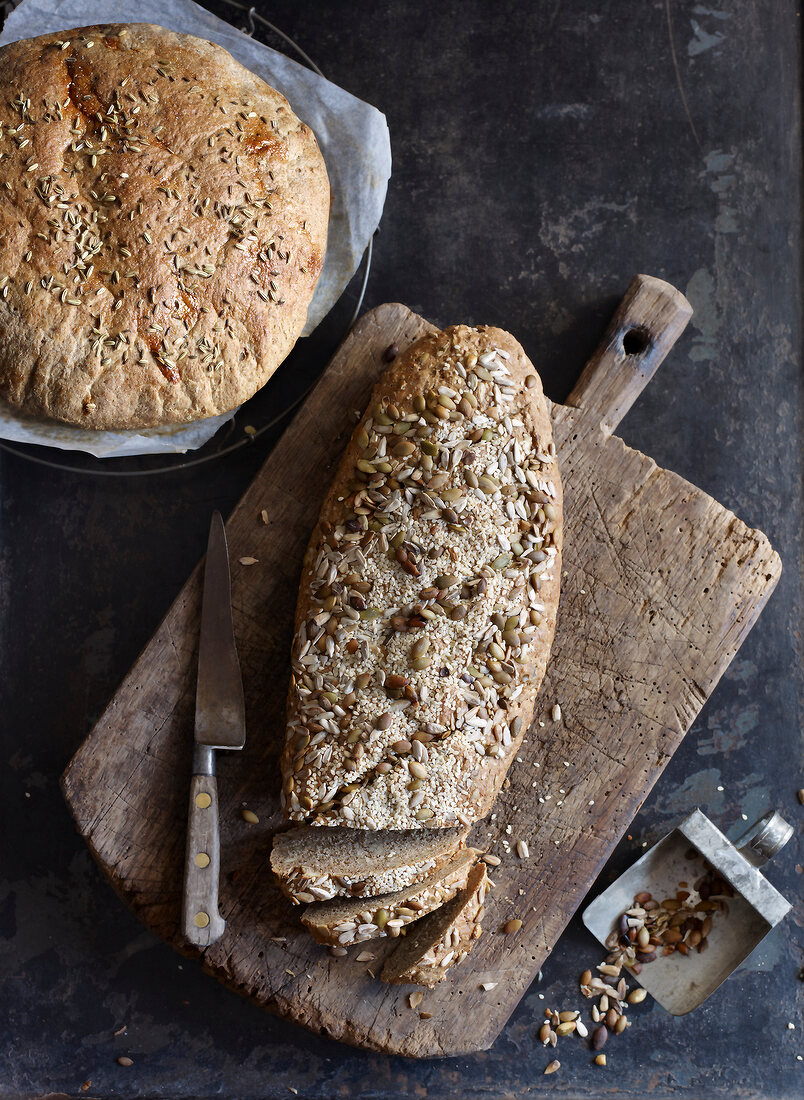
column 441, row 939
column 316, row 863
column 351, row 921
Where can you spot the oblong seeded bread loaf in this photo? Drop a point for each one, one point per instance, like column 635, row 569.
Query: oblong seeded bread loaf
column 442, row 939
column 355, row 920
column 429, row 592
column 315, row 864
column 163, row 223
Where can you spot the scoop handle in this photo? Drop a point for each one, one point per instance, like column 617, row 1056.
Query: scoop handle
column 762, row 840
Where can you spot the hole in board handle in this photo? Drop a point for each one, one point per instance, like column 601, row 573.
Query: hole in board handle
column 635, row 341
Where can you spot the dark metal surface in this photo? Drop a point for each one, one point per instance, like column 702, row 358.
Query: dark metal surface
column 543, row 154
column 220, row 710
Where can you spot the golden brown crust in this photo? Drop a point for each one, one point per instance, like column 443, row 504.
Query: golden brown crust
column 163, row 219
column 385, row 731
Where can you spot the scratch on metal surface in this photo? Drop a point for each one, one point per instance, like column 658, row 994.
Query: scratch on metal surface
column 678, row 74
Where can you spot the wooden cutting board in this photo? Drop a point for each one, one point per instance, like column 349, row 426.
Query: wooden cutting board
column 662, row 585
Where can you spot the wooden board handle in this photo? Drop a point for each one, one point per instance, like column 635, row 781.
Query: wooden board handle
column 648, row 321
column 200, row 921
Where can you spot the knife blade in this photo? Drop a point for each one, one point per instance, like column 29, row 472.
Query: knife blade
column 220, row 723
column 220, row 712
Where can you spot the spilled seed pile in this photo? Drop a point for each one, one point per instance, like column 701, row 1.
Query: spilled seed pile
column 648, row 930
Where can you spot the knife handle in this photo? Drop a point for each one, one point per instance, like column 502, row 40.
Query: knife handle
column 201, row 922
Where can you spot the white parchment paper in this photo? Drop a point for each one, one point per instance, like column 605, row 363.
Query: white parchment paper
column 354, row 140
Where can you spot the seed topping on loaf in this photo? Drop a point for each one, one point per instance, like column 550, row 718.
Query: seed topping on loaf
column 428, row 598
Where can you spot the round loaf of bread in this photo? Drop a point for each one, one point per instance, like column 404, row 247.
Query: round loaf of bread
column 163, row 221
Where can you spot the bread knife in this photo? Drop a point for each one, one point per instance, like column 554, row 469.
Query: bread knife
column 220, row 723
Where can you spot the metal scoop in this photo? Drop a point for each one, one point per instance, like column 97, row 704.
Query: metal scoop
column 682, row 983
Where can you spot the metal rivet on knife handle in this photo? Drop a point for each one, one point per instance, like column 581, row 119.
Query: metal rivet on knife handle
column 201, row 920
column 203, row 801
column 202, row 860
